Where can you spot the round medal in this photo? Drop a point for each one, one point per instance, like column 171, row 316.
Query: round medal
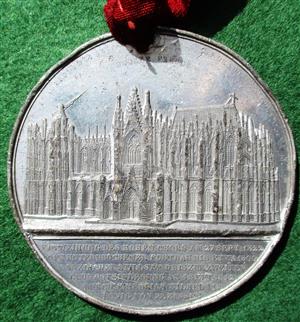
column 152, row 183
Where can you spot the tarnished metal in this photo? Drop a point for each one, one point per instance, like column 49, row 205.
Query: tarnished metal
column 152, row 183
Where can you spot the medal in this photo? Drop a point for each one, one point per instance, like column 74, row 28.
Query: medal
column 152, row 183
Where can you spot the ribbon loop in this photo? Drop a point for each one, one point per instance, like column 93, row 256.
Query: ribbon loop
column 133, row 22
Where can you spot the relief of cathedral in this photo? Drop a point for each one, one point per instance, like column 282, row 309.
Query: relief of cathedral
column 205, row 164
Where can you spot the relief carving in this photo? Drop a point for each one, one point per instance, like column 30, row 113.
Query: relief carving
column 202, row 164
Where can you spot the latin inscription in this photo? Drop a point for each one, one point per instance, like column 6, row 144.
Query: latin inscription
column 151, row 272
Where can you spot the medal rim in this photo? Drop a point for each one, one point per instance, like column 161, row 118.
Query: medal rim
column 198, row 303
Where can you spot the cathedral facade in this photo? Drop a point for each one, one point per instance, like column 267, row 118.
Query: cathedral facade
column 205, row 164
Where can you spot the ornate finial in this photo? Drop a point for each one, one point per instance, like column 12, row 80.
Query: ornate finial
column 147, row 97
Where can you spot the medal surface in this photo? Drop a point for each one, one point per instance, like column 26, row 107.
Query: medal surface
column 152, row 183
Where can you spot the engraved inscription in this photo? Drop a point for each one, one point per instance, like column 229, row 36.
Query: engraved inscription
column 151, row 273
column 201, row 165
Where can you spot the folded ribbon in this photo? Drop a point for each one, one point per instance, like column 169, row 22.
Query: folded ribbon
column 133, row 22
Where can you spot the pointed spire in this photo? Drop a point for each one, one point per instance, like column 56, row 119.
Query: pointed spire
column 147, row 104
column 117, row 120
column 231, row 100
column 183, row 126
column 118, row 103
column 250, row 129
column 61, row 114
column 225, row 119
column 147, row 97
column 45, row 124
column 133, row 108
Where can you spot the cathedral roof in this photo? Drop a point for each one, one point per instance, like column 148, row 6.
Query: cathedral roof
column 203, row 114
column 214, row 112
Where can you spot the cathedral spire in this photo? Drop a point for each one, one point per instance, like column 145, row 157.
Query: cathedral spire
column 133, row 108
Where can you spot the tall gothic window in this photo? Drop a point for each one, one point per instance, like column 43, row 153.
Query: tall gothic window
column 265, row 201
column 226, row 198
column 251, row 198
column 133, row 207
column 84, row 160
column 152, row 205
column 105, row 153
column 182, row 199
column 133, row 151
column 245, row 200
column 192, row 159
column 208, row 199
column 107, row 160
column 208, row 159
column 229, row 151
column 107, row 208
column 94, row 160
column 193, row 199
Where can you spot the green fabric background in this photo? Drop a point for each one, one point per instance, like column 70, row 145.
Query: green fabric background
column 34, row 35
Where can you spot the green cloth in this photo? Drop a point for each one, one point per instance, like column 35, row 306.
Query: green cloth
column 34, row 35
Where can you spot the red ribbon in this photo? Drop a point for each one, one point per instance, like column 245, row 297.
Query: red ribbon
column 133, row 22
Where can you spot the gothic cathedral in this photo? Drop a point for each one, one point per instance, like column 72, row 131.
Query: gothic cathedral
column 202, row 164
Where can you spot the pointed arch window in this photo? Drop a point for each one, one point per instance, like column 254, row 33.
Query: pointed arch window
column 193, row 199
column 226, row 198
column 192, row 158
column 251, row 198
column 229, row 152
column 133, row 151
column 84, row 160
column 245, row 201
column 208, row 161
column 208, row 199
